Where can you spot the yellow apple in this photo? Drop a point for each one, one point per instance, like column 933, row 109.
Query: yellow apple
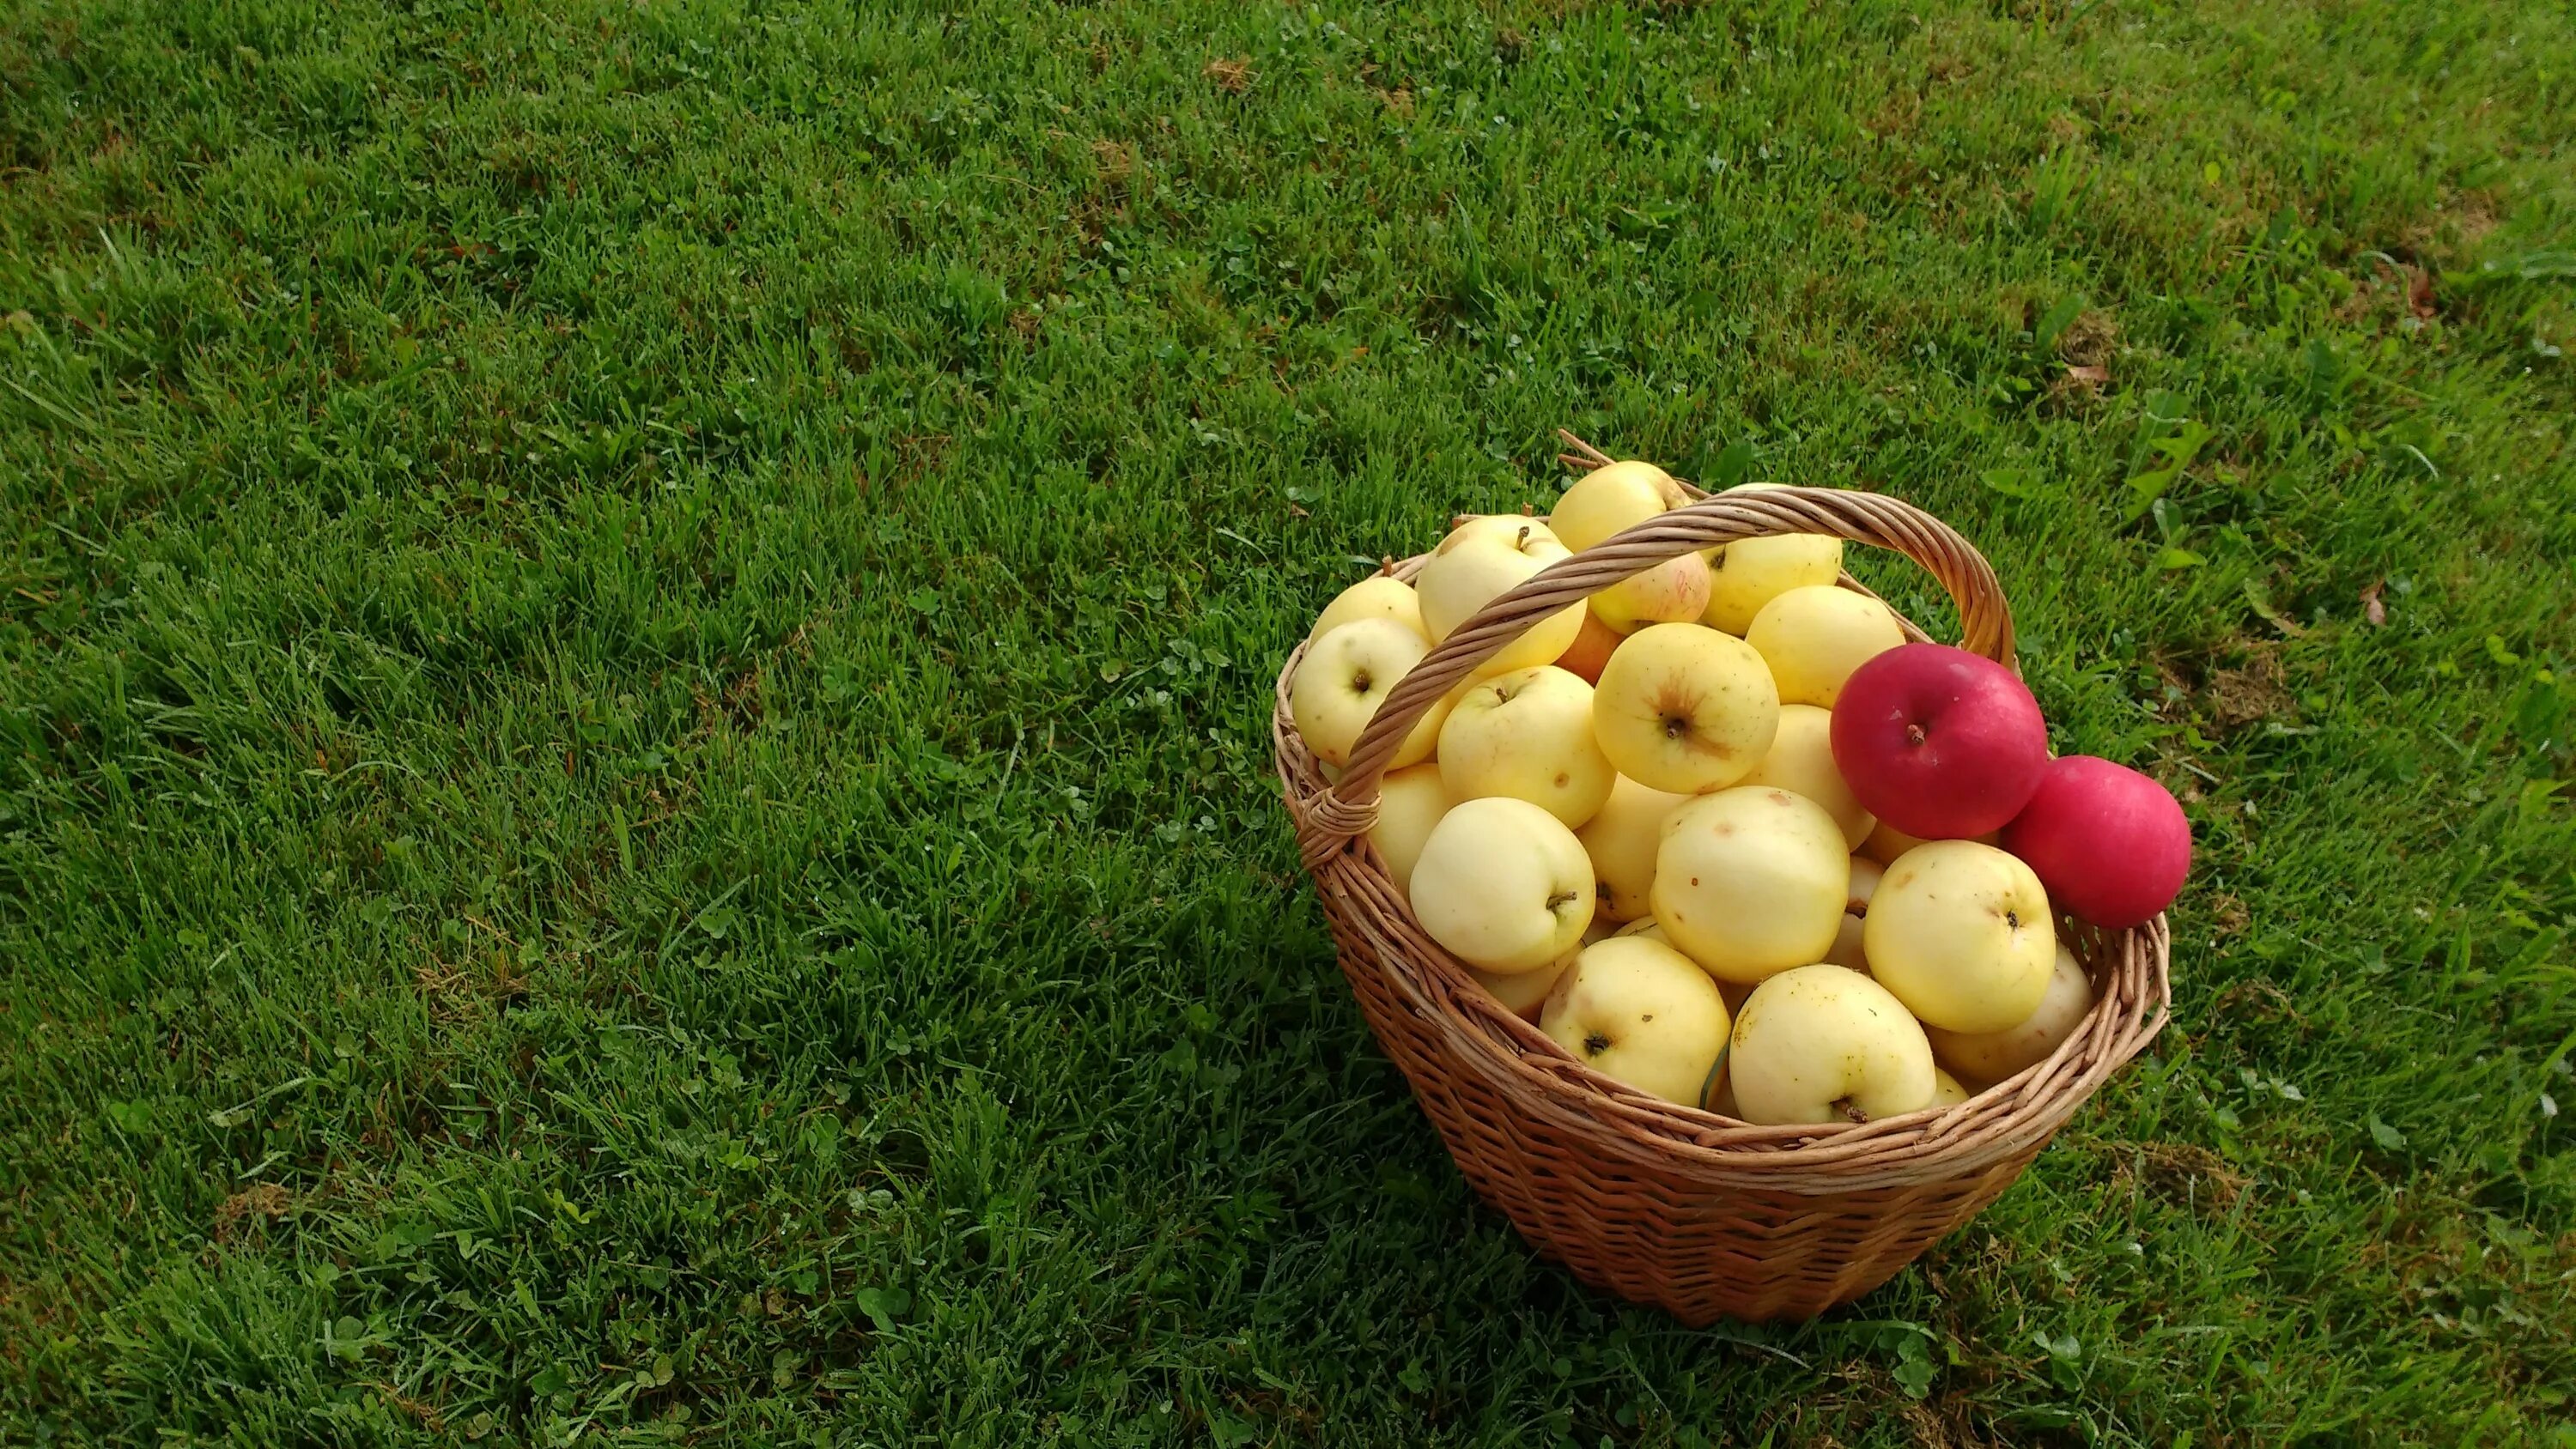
column 1409, row 802
column 1523, row 992
column 1379, row 596
column 1961, row 932
column 1503, row 885
column 1993, row 1056
column 1801, row 759
column 1637, row 1012
column 1814, row 637
column 1947, row 1090
column 1611, row 498
column 1512, row 530
column 1622, row 839
column 1821, row 1044
column 1460, row 580
column 1886, row 842
column 1750, row 572
column 1751, row 881
column 1342, row 680
column 1527, row 734
column 1685, row 709
column 1672, row 592
column 1849, row 948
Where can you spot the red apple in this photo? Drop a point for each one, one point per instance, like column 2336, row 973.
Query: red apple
column 1938, row 742
column 2110, row 844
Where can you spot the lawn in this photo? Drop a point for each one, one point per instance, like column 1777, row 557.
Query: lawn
column 636, row 643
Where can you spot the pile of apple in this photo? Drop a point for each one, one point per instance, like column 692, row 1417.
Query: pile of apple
column 1726, row 836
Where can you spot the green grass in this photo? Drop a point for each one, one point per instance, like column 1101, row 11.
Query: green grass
column 635, row 648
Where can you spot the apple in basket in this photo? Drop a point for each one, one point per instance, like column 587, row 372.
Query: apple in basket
column 2111, row 845
column 1961, row 932
column 1751, row 881
column 1637, row 1011
column 1815, row 637
column 1503, row 885
column 1995, row 1055
column 1527, row 734
column 1821, row 1044
column 1379, row 596
column 1750, row 572
column 1685, row 709
column 1938, row 742
column 1346, row 674
column 1476, row 563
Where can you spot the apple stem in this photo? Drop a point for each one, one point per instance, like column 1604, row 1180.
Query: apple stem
column 1850, row 1109
column 1914, row 734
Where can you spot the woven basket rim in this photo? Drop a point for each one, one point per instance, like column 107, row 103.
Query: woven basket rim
column 2130, row 970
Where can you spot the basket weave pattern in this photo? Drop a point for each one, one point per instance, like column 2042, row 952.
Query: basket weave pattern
column 1695, row 1213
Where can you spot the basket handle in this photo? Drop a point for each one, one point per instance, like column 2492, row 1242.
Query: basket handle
column 1350, row 808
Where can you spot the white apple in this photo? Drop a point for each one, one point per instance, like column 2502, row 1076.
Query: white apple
column 1503, row 885
column 1527, row 734
column 1622, row 838
column 1342, row 680
column 1733, row 992
column 1801, row 759
column 1961, row 932
column 1672, row 592
column 1409, row 802
column 1460, row 580
column 1849, row 948
column 1379, row 596
column 1522, row 992
column 1886, row 842
column 1993, row 1056
column 1814, row 637
column 1611, row 498
column 1637, row 1012
column 1750, row 572
column 1751, row 881
column 1821, row 1044
column 1685, row 709
column 1512, row 530
column 1947, row 1090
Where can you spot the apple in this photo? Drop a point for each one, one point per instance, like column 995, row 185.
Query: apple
column 1512, row 530
column 1849, row 948
column 2111, row 845
column 1962, row 933
column 1622, row 839
column 1379, row 596
column 1814, row 637
column 1466, row 576
column 1527, row 734
column 1611, row 498
column 1672, row 592
column 1342, row 680
column 1750, row 572
column 1590, row 650
column 1503, row 885
column 1886, row 842
column 1947, row 1090
column 1821, row 1044
column 1685, row 709
column 1637, row 1012
column 1801, row 760
column 1751, row 881
column 1522, row 993
column 1995, row 1055
column 1409, row 802
column 1938, row 742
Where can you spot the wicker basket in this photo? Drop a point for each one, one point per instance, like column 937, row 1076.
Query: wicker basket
column 1698, row 1214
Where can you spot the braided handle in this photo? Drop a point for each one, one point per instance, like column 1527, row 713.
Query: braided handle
column 1350, row 808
